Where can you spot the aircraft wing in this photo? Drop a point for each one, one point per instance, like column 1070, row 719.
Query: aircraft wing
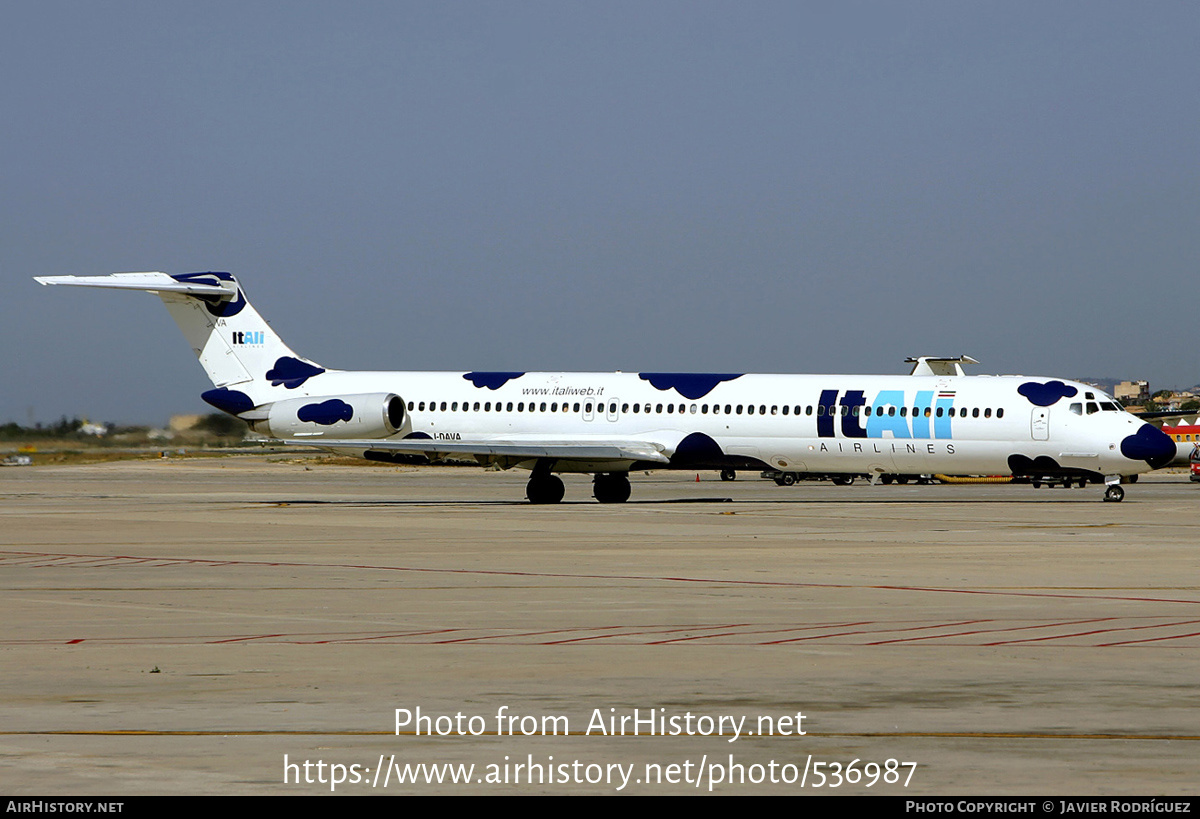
column 1159, row 415
column 515, row 450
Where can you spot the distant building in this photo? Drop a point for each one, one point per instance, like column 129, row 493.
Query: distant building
column 1183, row 396
column 1132, row 391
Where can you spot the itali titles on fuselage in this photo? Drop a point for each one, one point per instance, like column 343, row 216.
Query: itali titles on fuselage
column 936, row 420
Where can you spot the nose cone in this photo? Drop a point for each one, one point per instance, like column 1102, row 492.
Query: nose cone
column 1149, row 444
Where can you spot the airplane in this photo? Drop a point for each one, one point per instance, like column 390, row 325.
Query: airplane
column 937, row 419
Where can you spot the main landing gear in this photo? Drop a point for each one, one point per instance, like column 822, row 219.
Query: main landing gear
column 1114, row 493
column 611, row 488
column 544, row 487
column 549, row 489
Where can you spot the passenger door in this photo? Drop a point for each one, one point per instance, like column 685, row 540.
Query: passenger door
column 1040, row 424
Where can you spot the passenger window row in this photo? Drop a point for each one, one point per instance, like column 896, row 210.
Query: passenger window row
column 713, row 409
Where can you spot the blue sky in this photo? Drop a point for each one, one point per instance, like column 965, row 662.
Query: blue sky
column 725, row 187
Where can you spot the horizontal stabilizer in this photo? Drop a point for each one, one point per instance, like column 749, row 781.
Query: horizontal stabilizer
column 939, row 364
column 154, row 282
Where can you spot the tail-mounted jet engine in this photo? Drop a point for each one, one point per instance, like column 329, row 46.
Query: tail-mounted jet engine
column 374, row 415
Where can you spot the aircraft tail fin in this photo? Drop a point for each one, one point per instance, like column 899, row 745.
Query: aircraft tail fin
column 243, row 357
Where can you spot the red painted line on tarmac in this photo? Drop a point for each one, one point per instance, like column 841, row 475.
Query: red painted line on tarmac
column 390, row 636
column 523, row 634
column 761, row 631
column 870, row 631
column 33, row 558
column 734, row 630
column 211, row 639
column 644, row 578
column 635, row 633
column 1102, row 631
column 341, row 640
column 1154, row 639
column 1150, row 640
column 992, row 630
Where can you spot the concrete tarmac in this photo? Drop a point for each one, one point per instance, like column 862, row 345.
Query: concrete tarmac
column 251, row 626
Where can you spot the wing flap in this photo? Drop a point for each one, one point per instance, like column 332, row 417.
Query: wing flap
column 558, row 450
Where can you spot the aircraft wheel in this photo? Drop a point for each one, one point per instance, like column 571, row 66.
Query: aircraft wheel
column 779, row 481
column 788, row 479
column 1114, row 493
column 885, row 479
column 728, row 475
column 902, row 479
column 549, row 489
column 1037, row 484
column 611, row 488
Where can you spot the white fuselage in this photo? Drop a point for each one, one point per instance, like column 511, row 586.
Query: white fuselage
column 962, row 425
column 935, row 420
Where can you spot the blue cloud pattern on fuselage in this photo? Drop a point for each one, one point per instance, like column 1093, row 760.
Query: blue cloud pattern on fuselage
column 326, row 413
column 697, row 449
column 1045, row 395
column 1151, row 445
column 292, row 372
column 689, row 385
column 493, row 381
column 1024, row 465
column 227, row 400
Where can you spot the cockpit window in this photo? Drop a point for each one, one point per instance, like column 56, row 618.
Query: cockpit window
column 1077, row 408
column 1092, row 407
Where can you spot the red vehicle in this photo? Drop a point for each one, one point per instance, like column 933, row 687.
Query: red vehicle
column 1195, row 461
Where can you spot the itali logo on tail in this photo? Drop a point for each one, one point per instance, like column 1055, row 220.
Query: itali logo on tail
column 246, row 361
